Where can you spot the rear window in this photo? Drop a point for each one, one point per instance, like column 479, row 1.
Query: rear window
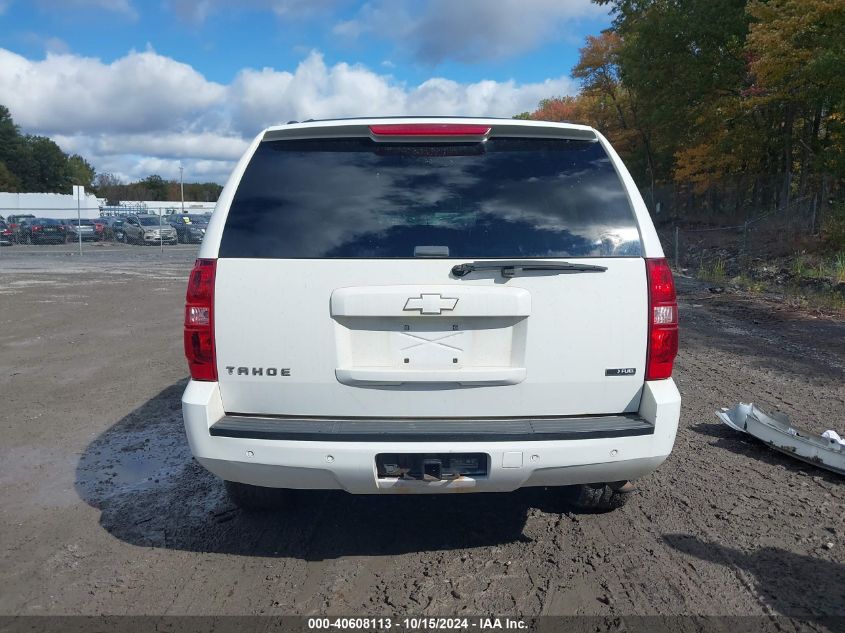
column 356, row 198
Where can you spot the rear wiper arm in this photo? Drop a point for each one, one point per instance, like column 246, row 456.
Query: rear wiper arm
column 511, row 269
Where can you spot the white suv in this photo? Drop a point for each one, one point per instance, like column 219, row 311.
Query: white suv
column 430, row 305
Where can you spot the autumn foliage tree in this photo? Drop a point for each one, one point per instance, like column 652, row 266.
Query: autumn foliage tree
column 738, row 103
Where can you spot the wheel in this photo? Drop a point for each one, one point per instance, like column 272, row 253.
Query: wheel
column 29, row 240
column 599, row 497
column 256, row 498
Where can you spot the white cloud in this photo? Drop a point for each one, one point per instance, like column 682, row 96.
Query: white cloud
column 145, row 113
column 466, row 30
column 139, row 92
column 317, row 91
column 203, row 145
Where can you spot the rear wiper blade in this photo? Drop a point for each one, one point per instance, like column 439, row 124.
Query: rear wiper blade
column 511, row 269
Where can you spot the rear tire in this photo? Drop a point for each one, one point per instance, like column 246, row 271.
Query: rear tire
column 256, row 498
column 598, row 498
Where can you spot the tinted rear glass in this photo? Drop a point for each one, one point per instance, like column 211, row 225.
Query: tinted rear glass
column 355, row 198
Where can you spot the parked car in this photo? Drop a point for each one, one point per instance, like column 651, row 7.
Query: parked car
column 144, row 229
column 190, row 227
column 99, row 228
column 41, row 230
column 113, row 228
column 13, row 222
column 431, row 306
column 76, row 228
column 6, row 236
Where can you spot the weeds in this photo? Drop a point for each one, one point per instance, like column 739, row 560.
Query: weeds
column 805, row 266
column 714, row 272
column 799, row 266
column 839, row 268
column 828, row 300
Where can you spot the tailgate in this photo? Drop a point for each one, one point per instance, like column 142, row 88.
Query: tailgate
column 311, row 338
column 336, row 295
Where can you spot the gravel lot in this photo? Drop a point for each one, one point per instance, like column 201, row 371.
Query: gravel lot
column 102, row 509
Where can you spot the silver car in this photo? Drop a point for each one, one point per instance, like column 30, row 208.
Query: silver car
column 147, row 229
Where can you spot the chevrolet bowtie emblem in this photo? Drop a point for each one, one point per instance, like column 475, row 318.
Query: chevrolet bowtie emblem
column 430, row 303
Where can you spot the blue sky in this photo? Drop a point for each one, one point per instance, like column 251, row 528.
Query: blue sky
column 138, row 85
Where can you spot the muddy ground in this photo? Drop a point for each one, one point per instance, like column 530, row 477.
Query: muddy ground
column 102, row 509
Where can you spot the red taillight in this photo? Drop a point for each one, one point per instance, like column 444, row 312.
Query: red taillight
column 37, row 227
column 429, row 129
column 199, row 321
column 662, row 320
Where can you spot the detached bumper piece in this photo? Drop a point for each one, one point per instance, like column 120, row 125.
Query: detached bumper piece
column 431, row 430
column 776, row 431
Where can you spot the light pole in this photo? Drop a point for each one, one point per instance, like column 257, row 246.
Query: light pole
column 182, row 187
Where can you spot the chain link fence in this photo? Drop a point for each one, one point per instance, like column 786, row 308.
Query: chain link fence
column 775, row 233
column 34, row 231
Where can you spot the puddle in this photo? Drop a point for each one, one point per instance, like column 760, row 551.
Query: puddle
column 132, row 460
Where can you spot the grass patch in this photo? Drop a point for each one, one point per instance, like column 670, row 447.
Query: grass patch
column 806, row 266
column 839, row 268
column 714, row 272
column 826, row 300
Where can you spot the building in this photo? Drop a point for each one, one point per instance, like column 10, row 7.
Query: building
column 167, row 206
column 63, row 206
column 49, row 205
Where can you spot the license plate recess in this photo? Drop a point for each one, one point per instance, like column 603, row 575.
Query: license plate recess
column 432, row 466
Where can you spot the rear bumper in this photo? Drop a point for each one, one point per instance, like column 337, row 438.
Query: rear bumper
column 340, row 454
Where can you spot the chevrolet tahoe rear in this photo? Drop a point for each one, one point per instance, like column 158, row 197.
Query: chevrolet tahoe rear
column 430, row 305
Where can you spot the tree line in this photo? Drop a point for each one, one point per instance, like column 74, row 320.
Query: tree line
column 153, row 187
column 737, row 105
column 30, row 163
column 36, row 164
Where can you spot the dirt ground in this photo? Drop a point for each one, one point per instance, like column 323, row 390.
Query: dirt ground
column 103, row 511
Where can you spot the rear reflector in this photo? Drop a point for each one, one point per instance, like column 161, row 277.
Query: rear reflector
column 662, row 320
column 429, row 129
column 199, row 321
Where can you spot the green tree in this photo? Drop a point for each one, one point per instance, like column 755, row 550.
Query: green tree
column 8, row 181
column 676, row 59
column 80, row 171
column 156, row 187
column 108, row 186
column 12, row 147
column 47, row 167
